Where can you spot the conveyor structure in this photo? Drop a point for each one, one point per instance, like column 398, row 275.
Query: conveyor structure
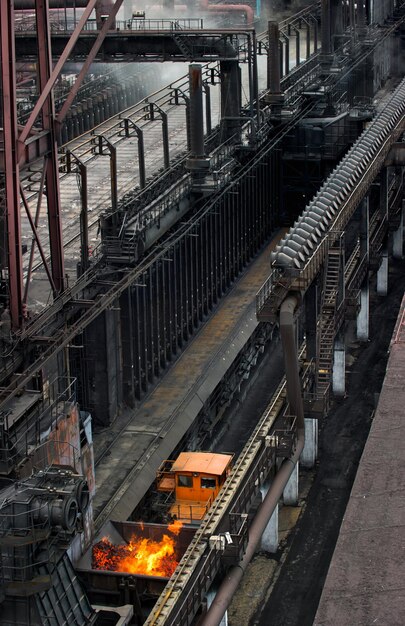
column 301, row 254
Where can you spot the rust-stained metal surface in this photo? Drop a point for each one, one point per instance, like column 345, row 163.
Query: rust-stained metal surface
column 366, row 580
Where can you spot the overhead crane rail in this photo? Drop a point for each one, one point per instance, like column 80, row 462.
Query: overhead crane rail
column 300, row 255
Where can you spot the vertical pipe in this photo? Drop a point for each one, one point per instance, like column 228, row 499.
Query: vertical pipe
column 230, row 97
column 165, row 139
column 113, row 175
column 256, row 77
column 361, row 16
column 141, row 158
column 352, row 16
column 196, row 128
column 337, row 21
column 290, row 351
column 308, row 40
column 273, row 59
column 315, row 35
column 287, row 56
column 208, row 122
column 326, row 47
column 84, row 224
column 250, row 73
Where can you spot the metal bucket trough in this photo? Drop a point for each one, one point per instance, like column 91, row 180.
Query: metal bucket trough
column 116, row 588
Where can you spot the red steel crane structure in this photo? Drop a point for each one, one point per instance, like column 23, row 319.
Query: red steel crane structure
column 19, row 146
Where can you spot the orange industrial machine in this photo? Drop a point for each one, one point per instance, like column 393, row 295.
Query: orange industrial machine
column 194, row 479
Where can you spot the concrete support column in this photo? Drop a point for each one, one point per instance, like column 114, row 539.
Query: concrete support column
column 339, row 366
column 210, row 599
column 398, row 238
column 382, row 275
column 291, row 490
column 310, row 451
column 363, row 316
column 269, row 541
column 230, row 98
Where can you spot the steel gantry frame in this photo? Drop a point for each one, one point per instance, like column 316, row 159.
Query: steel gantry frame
column 17, row 147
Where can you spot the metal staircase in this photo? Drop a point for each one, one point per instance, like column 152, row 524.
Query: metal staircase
column 183, row 44
column 327, row 324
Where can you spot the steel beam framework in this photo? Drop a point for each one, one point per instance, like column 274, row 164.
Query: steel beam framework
column 17, row 147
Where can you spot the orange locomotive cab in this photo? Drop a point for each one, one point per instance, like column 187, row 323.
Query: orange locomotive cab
column 195, row 479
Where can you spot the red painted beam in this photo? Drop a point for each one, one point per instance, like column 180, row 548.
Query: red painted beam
column 11, row 169
column 92, row 55
column 52, row 169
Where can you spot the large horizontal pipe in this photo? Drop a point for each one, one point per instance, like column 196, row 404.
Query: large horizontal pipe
column 234, row 576
column 229, row 8
column 53, row 4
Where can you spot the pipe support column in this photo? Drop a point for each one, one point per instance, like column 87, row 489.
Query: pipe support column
column 363, row 317
column 310, row 451
column 291, row 490
column 382, row 275
column 269, row 541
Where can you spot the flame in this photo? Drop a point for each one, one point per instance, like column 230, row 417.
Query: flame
column 140, row 556
column 175, row 527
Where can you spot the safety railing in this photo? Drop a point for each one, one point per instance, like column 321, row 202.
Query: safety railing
column 191, row 512
column 62, row 25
